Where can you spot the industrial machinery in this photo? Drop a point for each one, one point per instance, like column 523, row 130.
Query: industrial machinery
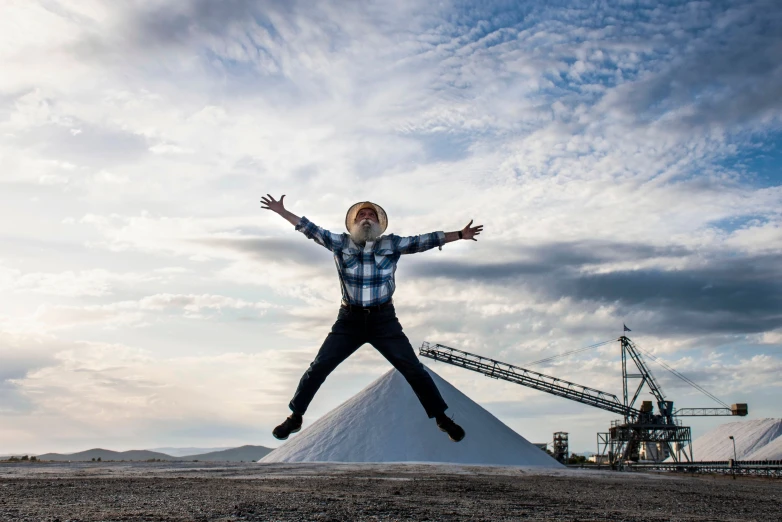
column 639, row 433
column 560, row 447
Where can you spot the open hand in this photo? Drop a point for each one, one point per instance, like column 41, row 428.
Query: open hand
column 469, row 232
column 271, row 204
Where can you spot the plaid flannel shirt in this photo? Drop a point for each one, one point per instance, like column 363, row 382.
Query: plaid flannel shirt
column 367, row 275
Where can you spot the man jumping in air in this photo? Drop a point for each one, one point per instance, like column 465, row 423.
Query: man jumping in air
column 366, row 263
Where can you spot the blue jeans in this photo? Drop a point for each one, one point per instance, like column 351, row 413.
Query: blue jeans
column 381, row 329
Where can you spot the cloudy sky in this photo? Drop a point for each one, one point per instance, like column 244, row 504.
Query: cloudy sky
column 623, row 156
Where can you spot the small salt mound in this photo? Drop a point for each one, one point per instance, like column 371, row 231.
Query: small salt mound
column 771, row 451
column 386, row 423
column 750, row 436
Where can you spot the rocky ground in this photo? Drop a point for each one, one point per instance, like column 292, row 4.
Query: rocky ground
column 210, row 492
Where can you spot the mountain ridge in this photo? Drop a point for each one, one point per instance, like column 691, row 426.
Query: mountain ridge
column 239, row 454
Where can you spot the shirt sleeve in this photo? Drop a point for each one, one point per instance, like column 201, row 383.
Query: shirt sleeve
column 420, row 243
column 321, row 236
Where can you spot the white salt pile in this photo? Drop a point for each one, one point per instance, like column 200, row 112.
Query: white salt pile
column 771, row 451
column 386, row 423
column 751, row 437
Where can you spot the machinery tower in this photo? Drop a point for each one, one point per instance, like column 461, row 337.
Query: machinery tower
column 560, row 447
column 643, row 427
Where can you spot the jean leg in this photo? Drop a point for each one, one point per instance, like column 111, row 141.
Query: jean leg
column 343, row 340
column 389, row 339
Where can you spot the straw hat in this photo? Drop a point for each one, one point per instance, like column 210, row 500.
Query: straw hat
column 350, row 218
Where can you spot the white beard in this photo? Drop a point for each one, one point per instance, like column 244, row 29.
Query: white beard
column 364, row 231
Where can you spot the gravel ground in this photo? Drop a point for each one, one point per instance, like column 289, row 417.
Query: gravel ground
column 336, row 492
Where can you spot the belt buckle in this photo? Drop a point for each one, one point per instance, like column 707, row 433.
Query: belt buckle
column 367, row 310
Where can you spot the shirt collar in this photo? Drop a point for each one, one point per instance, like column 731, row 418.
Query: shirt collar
column 369, row 246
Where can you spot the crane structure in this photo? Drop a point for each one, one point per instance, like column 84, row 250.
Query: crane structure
column 639, row 432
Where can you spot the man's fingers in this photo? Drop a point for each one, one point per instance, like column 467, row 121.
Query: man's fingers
column 268, row 199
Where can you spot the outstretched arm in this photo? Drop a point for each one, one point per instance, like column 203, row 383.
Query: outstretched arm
column 468, row 232
column 277, row 206
column 321, row 236
column 423, row 242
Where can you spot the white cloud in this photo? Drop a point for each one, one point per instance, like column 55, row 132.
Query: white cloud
column 110, row 178
column 96, row 282
column 773, row 337
column 141, row 312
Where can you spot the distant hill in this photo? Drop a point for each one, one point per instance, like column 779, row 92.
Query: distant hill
column 243, row 453
column 181, row 452
column 105, row 454
column 584, row 453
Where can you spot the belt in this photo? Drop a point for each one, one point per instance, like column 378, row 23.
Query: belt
column 367, row 309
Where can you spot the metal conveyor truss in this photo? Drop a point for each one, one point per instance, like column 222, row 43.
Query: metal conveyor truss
column 524, row 377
